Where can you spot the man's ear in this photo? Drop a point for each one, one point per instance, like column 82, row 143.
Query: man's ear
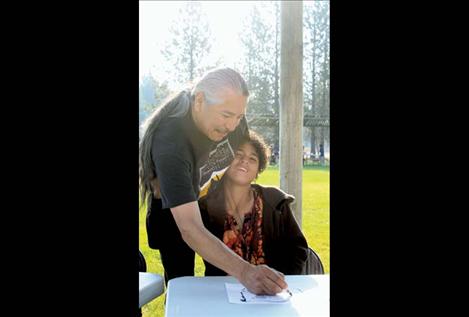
column 199, row 101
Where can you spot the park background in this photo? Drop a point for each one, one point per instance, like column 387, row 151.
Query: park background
column 180, row 40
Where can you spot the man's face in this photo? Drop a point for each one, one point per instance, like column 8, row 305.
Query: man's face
column 216, row 121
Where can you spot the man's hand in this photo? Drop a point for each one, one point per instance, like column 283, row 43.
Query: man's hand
column 262, row 279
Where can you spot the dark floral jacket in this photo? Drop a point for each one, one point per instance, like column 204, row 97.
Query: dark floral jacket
column 285, row 246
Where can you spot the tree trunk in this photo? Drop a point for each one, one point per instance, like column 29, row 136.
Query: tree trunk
column 313, row 140
column 313, row 90
column 325, row 69
column 291, row 103
column 313, row 68
column 276, row 74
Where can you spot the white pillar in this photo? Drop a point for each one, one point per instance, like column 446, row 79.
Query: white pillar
column 291, row 103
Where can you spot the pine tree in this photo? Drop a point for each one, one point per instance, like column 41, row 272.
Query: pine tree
column 190, row 43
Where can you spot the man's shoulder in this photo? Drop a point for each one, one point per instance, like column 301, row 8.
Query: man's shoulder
column 170, row 127
column 169, row 137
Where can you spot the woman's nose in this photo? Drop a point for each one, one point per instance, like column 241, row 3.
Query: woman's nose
column 243, row 160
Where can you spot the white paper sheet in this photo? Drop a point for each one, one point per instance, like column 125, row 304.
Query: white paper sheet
column 238, row 294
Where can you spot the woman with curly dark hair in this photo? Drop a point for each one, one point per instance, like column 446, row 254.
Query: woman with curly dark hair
column 255, row 221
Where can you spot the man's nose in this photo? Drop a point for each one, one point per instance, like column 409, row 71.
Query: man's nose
column 231, row 124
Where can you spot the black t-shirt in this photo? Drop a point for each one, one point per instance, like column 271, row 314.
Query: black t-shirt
column 185, row 159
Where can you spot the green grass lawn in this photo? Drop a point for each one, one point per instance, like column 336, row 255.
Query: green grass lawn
column 315, row 225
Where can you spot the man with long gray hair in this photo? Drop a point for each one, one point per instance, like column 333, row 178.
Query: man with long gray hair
column 186, row 142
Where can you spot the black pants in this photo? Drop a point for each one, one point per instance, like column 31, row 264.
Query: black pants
column 177, row 257
column 178, row 260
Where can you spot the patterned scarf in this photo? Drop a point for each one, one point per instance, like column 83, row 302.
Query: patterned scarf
column 247, row 243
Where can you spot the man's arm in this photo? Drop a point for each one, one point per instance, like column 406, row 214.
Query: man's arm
column 257, row 279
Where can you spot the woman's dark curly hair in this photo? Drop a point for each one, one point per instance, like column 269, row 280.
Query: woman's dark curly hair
column 262, row 150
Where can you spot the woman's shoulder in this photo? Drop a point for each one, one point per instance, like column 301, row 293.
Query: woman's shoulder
column 274, row 196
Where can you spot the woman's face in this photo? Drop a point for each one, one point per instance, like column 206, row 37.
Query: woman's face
column 243, row 170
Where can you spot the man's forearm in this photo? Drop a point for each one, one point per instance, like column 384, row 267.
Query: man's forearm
column 214, row 251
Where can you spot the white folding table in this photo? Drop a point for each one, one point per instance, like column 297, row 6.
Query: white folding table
column 206, row 296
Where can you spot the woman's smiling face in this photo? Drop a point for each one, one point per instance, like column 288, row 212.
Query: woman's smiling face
column 245, row 166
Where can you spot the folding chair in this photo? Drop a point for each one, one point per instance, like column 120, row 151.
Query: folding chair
column 313, row 264
column 151, row 285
